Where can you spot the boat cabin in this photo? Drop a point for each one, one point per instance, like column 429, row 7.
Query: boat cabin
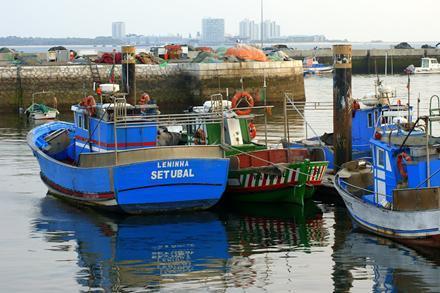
column 400, row 159
column 96, row 131
column 429, row 63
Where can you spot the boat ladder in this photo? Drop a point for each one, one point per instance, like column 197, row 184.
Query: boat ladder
column 95, row 72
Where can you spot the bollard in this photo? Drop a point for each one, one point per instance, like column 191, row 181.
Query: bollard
column 129, row 73
column 342, row 104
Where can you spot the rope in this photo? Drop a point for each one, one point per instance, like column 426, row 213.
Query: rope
column 426, row 180
column 261, row 159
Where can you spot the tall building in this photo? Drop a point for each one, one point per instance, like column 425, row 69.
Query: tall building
column 213, row 30
column 118, row 30
column 249, row 29
column 271, row 30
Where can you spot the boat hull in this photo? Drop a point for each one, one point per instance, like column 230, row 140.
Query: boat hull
column 294, row 185
column 140, row 186
column 394, row 224
column 133, row 191
column 50, row 115
column 287, row 194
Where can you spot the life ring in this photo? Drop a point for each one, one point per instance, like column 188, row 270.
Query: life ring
column 238, row 97
column 252, row 130
column 144, row 99
column 200, row 137
column 400, row 158
column 90, row 103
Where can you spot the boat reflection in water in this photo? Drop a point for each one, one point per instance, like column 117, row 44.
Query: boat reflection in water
column 138, row 252
column 243, row 248
column 268, row 224
column 395, row 267
column 270, row 242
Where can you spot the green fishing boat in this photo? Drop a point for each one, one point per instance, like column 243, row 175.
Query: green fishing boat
column 258, row 173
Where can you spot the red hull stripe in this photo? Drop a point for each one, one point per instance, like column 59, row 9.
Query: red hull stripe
column 95, row 196
column 112, row 145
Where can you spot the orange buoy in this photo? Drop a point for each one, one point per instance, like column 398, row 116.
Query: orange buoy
column 90, row 103
column 238, row 98
column 400, row 158
column 144, row 99
column 252, row 130
column 200, row 137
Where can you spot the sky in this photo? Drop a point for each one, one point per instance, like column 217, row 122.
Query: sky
column 355, row 20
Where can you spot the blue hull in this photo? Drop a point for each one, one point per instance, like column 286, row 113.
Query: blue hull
column 140, row 187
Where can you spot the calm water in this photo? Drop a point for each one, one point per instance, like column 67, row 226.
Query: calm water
column 49, row 246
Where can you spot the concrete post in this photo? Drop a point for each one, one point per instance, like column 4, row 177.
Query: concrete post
column 342, row 104
column 129, row 73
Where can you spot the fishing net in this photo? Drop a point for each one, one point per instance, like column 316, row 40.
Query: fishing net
column 246, row 53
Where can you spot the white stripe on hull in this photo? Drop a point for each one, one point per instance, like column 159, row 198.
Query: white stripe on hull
column 397, row 224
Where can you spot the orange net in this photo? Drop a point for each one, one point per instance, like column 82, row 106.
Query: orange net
column 245, row 52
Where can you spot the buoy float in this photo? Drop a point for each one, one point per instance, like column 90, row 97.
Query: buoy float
column 238, row 98
column 200, row 137
column 144, row 99
column 252, row 130
column 90, row 103
column 400, row 158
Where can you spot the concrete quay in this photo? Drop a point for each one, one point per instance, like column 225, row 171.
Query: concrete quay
column 176, row 85
column 365, row 61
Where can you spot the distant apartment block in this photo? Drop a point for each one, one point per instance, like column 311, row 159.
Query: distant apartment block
column 118, row 30
column 249, row 30
column 271, row 30
column 213, row 30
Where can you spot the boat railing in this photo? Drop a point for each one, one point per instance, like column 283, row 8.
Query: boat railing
column 290, row 105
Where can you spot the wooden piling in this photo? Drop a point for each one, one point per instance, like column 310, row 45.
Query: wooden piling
column 129, row 73
column 342, row 104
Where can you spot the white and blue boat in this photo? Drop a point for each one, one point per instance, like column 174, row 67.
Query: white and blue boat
column 398, row 194
column 365, row 118
column 311, row 66
column 124, row 157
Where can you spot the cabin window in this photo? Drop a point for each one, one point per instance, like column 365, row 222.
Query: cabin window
column 86, row 123
column 80, row 121
column 380, row 157
column 376, row 117
column 370, row 120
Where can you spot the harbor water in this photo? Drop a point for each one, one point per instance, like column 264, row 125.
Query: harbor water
column 48, row 245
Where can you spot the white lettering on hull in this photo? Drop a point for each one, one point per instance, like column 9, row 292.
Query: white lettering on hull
column 172, row 173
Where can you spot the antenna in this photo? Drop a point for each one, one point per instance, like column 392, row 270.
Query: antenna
column 261, row 25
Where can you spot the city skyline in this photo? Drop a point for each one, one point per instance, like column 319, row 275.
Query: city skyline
column 406, row 24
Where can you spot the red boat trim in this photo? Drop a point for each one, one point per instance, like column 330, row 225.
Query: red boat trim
column 77, row 194
column 120, row 145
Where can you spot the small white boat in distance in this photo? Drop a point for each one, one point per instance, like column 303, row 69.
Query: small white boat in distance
column 40, row 111
column 428, row 65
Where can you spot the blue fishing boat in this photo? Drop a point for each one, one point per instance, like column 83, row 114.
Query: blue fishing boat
column 311, row 66
column 124, row 157
column 365, row 118
column 398, row 194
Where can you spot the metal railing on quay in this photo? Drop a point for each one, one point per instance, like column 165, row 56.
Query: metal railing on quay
column 312, row 105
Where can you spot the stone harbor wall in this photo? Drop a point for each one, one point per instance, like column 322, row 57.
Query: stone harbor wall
column 369, row 61
column 173, row 86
